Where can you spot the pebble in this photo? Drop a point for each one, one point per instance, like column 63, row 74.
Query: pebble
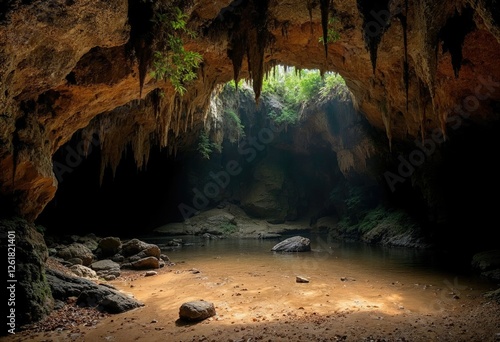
column 150, row 273
column 300, row 279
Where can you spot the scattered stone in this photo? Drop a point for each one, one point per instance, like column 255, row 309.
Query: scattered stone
column 348, row 279
column 118, row 258
column 77, row 250
column 109, row 277
column 293, row 244
column 104, row 265
column 83, row 271
column 210, row 236
column 88, row 293
column 486, row 261
column 136, row 246
column 146, row 263
column 196, row 310
column 300, row 279
column 150, row 273
column 75, row 261
column 268, row 236
column 194, row 271
column 164, row 257
column 118, row 303
column 89, row 240
column 109, row 246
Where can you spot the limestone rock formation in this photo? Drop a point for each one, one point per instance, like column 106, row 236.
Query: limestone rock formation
column 33, row 298
column 412, row 67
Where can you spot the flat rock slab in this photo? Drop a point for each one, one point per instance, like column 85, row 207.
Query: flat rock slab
column 89, row 294
column 104, row 265
column 293, row 244
column 196, row 310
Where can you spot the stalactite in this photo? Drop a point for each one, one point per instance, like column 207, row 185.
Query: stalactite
column 284, row 29
column 156, row 96
column 453, row 35
column 138, row 146
column 325, row 8
column 406, row 68
column 422, row 107
column 236, row 54
column 310, row 6
column 386, row 118
column 256, row 48
column 141, row 39
column 372, row 39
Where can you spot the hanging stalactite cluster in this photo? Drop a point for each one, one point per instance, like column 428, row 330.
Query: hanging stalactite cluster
column 374, row 24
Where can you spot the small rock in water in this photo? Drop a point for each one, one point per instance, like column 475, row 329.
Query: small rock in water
column 293, row 244
column 150, row 273
column 300, row 279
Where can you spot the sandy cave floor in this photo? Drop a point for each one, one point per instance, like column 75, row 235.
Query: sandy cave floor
column 264, row 305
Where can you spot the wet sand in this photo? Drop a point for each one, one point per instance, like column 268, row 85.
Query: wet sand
column 258, row 300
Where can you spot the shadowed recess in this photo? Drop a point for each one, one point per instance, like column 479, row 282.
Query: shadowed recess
column 453, row 34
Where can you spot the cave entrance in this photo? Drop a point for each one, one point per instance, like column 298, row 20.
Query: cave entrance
column 276, row 160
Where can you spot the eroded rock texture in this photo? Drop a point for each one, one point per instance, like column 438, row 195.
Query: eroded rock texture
column 412, row 66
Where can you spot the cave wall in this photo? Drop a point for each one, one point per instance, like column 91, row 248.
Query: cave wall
column 412, row 66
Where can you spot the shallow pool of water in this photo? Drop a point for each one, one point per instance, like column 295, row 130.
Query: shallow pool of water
column 331, row 259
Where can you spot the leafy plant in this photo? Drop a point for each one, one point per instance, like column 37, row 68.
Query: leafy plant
column 332, row 34
column 171, row 61
column 205, row 147
column 232, row 85
column 333, row 82
column 228, row 228
column 236, row 119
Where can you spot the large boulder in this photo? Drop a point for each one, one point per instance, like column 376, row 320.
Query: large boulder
column 77, row 250
column 107, row 269
column 487, row 260
column 146, row 263
column 293, row 244
column 109, row 246
column 136, row 246
column 33, row 299
column 196, row 310
column 488, row 263
column 83, row 271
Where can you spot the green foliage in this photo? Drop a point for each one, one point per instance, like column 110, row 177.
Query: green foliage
column 228, row 228
column 232, row 85
column 285, row 116
column 236, row 119
column 295, row 88
column 205, row 147
column 332, row 34
column 333, row 83
column 171, row 61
